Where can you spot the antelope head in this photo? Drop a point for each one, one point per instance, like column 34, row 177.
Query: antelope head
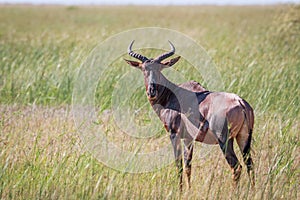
column 152, row 68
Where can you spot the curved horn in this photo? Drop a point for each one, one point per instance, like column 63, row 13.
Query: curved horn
column 166, row 55
column 136, row 55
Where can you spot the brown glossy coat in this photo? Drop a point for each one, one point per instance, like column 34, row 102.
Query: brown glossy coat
column 190, row 112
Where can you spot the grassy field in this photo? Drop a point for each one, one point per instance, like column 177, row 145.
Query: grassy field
column 256, row 49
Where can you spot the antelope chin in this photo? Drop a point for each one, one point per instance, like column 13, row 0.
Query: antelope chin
column 152, row 98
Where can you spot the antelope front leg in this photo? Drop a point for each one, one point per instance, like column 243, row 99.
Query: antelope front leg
column 188, row 156
column 176, row 143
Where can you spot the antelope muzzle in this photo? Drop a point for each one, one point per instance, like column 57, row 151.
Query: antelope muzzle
column 152, row 91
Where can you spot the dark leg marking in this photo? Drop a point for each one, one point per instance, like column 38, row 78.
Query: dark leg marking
column 188, row 156
column 175, row 140
column 246, row 153
column 248, row 160
column 231, row 158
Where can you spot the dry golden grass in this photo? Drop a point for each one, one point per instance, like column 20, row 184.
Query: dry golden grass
column 42, row 156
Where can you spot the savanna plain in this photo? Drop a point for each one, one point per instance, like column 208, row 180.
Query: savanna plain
column 256, row 50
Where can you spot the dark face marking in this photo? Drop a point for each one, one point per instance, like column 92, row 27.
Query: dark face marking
column 152, row 75
column 152, row 69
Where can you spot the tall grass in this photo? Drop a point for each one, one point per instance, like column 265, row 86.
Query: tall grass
column 256, row 50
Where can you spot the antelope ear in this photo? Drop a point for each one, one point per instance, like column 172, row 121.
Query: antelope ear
column 134, row 63
column 171, row 62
